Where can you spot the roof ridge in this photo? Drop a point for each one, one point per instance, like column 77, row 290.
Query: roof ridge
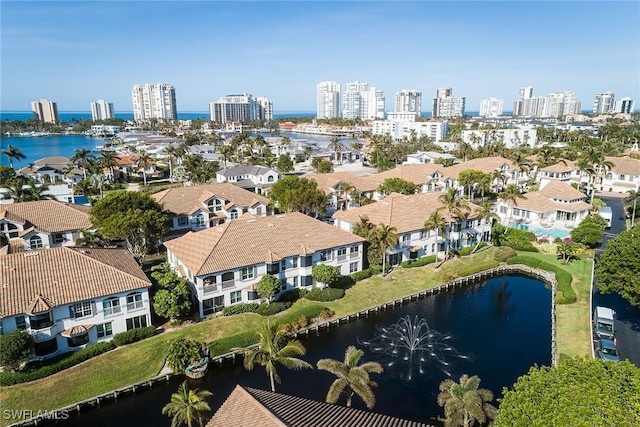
column 85, row 253
column 224, row 227
column 248, row 394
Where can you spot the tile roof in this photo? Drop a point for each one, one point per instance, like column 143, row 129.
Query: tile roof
column 405, row 212
column 49, row 216
column 253, row 240
column 249, row 407
column 244, row 170
column 561, row 191
column 625, row 165
column 416, row 173
column 187, row 200
column 543, row 200
column 33, row 280
column 328, row 181
column 560, row 167
column 483, row 164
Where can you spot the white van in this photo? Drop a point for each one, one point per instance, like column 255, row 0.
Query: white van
column 603, row 322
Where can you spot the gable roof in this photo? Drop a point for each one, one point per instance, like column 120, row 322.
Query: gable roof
column 483, row 164
column 405, row 212
column 625, row 165
column 328, row 181
column 415, row 173
column 561, row 191
column 187, row 200
column 49, row 216
column 250, row 407
column 35, row 281
column 253, row 240
column 244, row 170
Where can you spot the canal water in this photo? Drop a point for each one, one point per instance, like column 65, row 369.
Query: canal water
column 496, row 329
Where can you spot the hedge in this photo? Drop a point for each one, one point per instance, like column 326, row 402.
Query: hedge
column 133, row 335
column 273, row 307
column 566, row 294
column 365, row 274
column 224, row 345
column 476, row 267
column 293, row 295
column 503, row 253
column 418, row 262
column 324, row 295
column 249, row 307
column 38, row 370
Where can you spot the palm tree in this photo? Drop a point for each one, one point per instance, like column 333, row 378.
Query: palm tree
column 511, row 193
column 633, row 197
column 16, row 189
column 352, row 378
column 143, row 162
column 456, row 207
column 37, row 192
column 172, row 154
column 345, row 188
column 187, row 406
column 387, row 237
column 464, row 403
column 438, row 223
column 363, row 227
column 273, row 348
column 108, row 159
column 83, row 158
column 13, row 153
column 484, row 212
column 336, row 146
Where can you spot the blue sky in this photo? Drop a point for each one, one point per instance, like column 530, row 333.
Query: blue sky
column 76, row 52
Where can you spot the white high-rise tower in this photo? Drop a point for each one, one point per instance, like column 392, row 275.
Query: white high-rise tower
column 101, row 110
column 408, row 101
column 604, row 103
column 154, row 101
column 328, row 100
column 45, row 111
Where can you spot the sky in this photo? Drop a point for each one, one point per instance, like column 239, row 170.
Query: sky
column 76, row 52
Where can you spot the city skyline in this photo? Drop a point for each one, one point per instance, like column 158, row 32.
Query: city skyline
column 284, row 49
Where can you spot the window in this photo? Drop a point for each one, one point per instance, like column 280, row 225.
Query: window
column 236, row 297
column 12, row 231
column 79, row 340
column 104, row 330
column 21, row 322
column 134, row 301
column 137, row 322
column 470, row 223
column 41, row 320
column 296, row 282
column 45, row 348
column 81, row 309
column 294, row 261
column 234, row 214
column 111, row 306
column 423, row 234
column 406, row 239
column 503, row 209
column 58, row 238
column 182, row 221
column 353, row 267
column 354, row 251
column 248, row 273
column 199, row 220
column 215, row 205
column 342, row 254
column 326, row 255
column 35, row 242
column 283, row 264
column 270, row 178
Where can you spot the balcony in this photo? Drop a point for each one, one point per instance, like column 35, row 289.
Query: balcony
column 228, row 284
column 342, row 258
column 273, row 268
column 354, row 255
column 209, row 289
column 45, row 334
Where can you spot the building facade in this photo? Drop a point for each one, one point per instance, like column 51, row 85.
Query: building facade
column 241, row 108
column 527, row 105
column 46, row 111
column 559, row 104
column 604, row 103
column 447, row 105
column 328, row 100
column 101, row 110
column 154, row 101
column 359, row 101
column 408, row 101
column 491, row 107
column 625, row 105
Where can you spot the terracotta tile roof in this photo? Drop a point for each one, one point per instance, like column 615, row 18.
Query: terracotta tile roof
column 39, row 305
column 253, row 240
column 249, row 407
column 561, row 191
column 406, row 213
column 418, row 173
column 76, row 330
column 328, row 181
column 483, row 164
column 186, row 200
column 560, row 167
column 625, row 165
column 65, row 275
column 537, row 201
column 49, row 216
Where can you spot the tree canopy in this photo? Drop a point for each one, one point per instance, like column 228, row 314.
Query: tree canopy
column 15, row 348
column 268, row 286
column 579, row 391
column 618, row 268
column 292, row 193
column 590, row 231
column 396, row 185
column 133, row 216
column 326, row 274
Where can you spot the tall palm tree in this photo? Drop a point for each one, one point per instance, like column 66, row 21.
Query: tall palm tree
column 386, row 235
column 273, row 348
column 456, row 208
column 187, row 406
column 436, row 222
column 511, row 193
column 109, row 160
column 143, row 162
column 464, row 403
column 363, row 227
column 13, row 153
column 352, row 378
column 633, row 196
column 84, row 158
column 172, row 154
column 345, row 188
column 336, row 146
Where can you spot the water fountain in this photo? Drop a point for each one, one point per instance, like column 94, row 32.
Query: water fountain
column 412, row 342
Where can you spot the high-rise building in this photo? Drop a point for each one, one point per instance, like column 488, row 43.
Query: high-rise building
column 604, row 103
column 241, row 108
column 101, row 110
column 408, row 101
column 625, row 105
column 491, row 107
column 154, row 101
column 447, row 105
column 328, row 100
column 527, row 105
column 560, row 104
column 359, row 101
column 526, row 92
column 45, row 111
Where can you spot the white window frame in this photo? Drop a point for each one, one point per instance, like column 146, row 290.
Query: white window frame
column 58, row 238
column 35, row 242
column 134, row 301
column 82, row 309
column 353, row 267
column 182, row 221
column 248, row 273
column 235, row 297
column 104, row 330
column 111, row 306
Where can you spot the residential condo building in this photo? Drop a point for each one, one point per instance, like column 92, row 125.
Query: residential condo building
column 491, row 107
column 604, row 103
column 408, row 101
column 560, row 104
column 154, row 101
column 527, row 105
column 101, row 110
column 625, row 105
column 45, row 111
column 328, row 97
column 359, row 101
column 447, row 105
column 240, row 108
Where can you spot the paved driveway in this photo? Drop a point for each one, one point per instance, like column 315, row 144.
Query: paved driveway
column 627, row 316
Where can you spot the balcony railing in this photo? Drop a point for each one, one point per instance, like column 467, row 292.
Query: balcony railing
column 228, row 284
column 208, row 289
column 46, row 334
column 342, row 258
column 353, row 255
column 135, row 305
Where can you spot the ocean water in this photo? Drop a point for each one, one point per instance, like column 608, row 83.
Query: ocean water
column 68, row 116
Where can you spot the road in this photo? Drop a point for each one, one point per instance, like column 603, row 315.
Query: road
column 627, row 323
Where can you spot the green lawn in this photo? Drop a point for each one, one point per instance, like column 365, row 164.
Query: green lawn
column 140, row 361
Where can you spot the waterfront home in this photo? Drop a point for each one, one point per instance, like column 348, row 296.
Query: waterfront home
column 522, row 135
column 127, row 166
column 565, row 171
column 224, row 263
column 257, row 179
column 623, row 176
column 333, row 185
column 200, row 207
column 68, row 298
column 557, row 205
column 51, row 170
column 407, row 213
column 43, row 224
column 250, row 407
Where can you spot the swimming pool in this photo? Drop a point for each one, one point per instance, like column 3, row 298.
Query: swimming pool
column 551, row 232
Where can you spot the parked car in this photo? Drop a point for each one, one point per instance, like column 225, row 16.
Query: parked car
column 608, row 351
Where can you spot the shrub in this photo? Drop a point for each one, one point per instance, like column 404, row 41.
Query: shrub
column 275, row 307
column 361, row 275
column 249, row 307
column 324, row 295
column 465, row 251
column 293, row 295
column 324, row 273
column 15, row 348
column 133, row 335
column 343, row 282
column 310, row 311
column 566, row 294
column 326, row 314
column 503, row 253
column 182, row 353
column 420, row 262
column 48, row 367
